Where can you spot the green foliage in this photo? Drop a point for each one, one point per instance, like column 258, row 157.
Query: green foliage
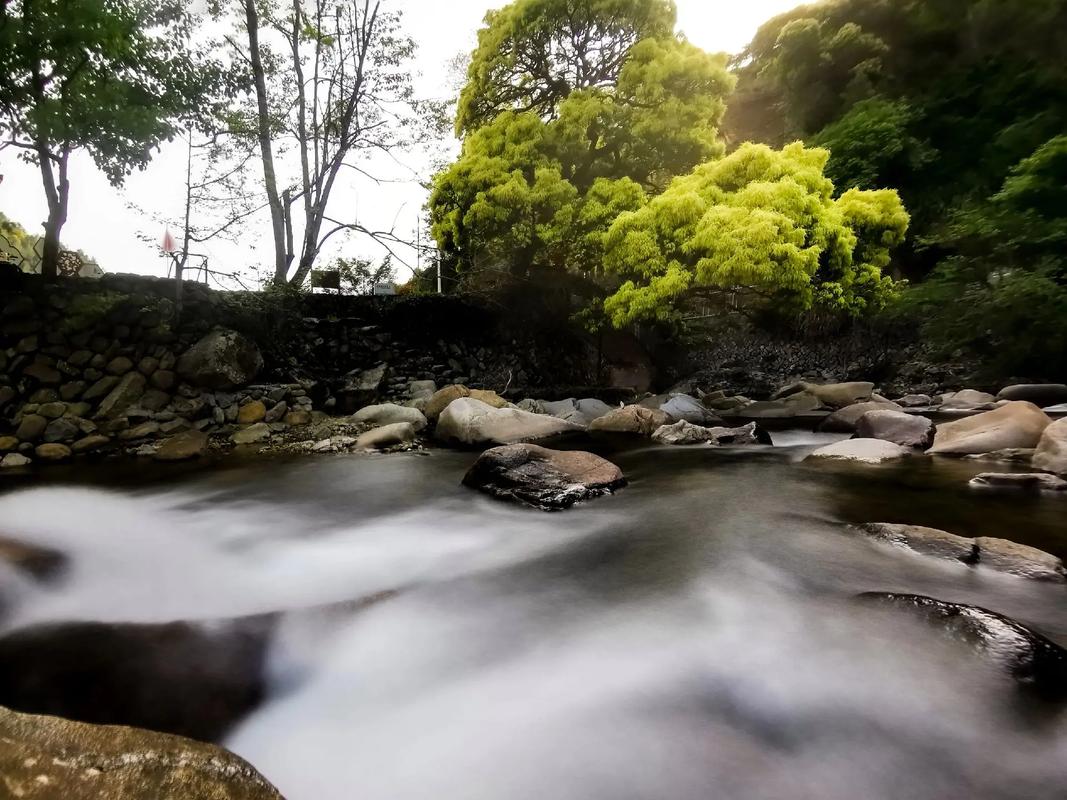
column 23, row 248
column 360, row 275
column 758, row 221
column 87, row 310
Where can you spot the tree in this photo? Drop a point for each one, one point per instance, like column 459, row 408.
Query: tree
column 332, row 84
column 758, row 222
column 539, row 181
column 24, row 249
column 361, row 275
column 111, row 77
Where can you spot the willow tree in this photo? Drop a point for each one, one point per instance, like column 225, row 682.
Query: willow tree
column 761, row 223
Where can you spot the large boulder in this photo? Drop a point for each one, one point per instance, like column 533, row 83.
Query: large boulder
column 547, row 479
column 1015, row 424
column 631, row 419
column 362, row 386
column 391, row 435
column 685, row 433
column 390, row 413
column 46, row 758
column 441, row 399
column 471, row 422
column 866, row 451
column 1040, row 394
column 223, row 359
column 844, row 420
column 907, row 430
column 689, row 409
column 966, row 399
column 1051, row 453
column 831, row 395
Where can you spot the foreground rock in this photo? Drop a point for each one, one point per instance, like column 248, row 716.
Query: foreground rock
column 689, row 409
column 1035, row 662
column 685, row 433
column 222, row 359
column 966, row 400
column 987, row 552
column 468, row 421
column 631, row 419
column 831, row 395
column 1051, row 453
column 1022, row 481
column 1040, row 394
column 547, row 479
column 393, row 435
column 866, row 451
column 1015, row 424
column 907, row 430
column 390, row 413
column 846, row 419
column 46, row 758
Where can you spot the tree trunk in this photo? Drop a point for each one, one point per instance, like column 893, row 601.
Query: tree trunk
column 57, row 194
column 270, row 181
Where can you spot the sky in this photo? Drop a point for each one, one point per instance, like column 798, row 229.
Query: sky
column 121, row 228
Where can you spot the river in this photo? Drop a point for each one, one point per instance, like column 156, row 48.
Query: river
column 696, row 635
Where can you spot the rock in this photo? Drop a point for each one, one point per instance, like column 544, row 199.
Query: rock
column 795, row 405
column 631, row 419
column 867, row 451
column 154, row 400
column 1024, row 481
column 222, row 359
column 490, row 398
column 920, row 539
column 148, row 365
column 190, row 407
column 907, row 430
column 440, row 400
column 967, row 399
column 47, row 757
column 31, row 428
column 472, row 422
column 163, row 379
column 333, row 444
column 390, row 413
column 1040, row 394
column 1019, row 559
column 1015, row 424
column 258, row 432
column 12, row 460
column 127, row 392
column 386, row 436
column 142, row 431
column 52, row 452
column 1034, row 661
column 363, row 386
column 176, row 425
column 72, row 390
column 547, row 479
column 531, row 405
column 421, row 389
column 844, row 420
column 1009, row 455
column 685, row 433
column 100, row 388
column 580, row 412
column 915, row 401
column 689, row 409
column 276, row 412
column 183, row 446
column 53, row 410
column 253, row 411
column 8, row 443
column 119, row 365
column 832, row 395
column 62, row 430
column 89, row 443
column 1051, row 452
column 1060, row 408
column 42, row 373
column 295, row 419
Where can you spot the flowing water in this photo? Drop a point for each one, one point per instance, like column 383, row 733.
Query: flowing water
column 694, row 636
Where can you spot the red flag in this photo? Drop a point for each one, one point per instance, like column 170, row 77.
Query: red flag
column 168, row 242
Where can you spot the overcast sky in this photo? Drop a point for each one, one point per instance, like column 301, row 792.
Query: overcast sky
column 103, row 221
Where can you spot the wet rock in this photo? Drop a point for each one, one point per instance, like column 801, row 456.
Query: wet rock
column 547, row 479
column 391, row 435
column 259, row 432
column 253, row 411
column 36, row 561
column 923, row 540
column 441, row 399
column 12, row 460
column 631, row 419
column 1015, row 424
column 1040, row 394
column 222, row 359
column 1051, row 452
column 867, row 451
column 831, row 395
column 689, row 409
column 390, row 413
column 52, row 452
column 907, row 430
column 1009, row 455
column 127, row 392
column 31, row 428
column 90, row 443
column 685, row 433
column 471, row 422
column 1019, row 559
column 1035, row 662
column 846, row 419
column 183, row 446
column 1021, row 481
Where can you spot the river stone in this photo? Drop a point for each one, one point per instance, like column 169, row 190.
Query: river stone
column 1023, row 481
column 907, row 430
column 183, row 446
column 923, row 540
column 472, row 422
column 384, row 436
column 1051, row 453
column 1015, row 424
column 488, row 397
column 154, row 400
column 550, row 480
column 689, row 409
column 390, row 413
column 258, row 432
column 440, row 400
column 832, row 395
column 53, row 410
column 31, row 428
column 90, row 443
column 100, row 388
column 421, row 388
column 12, row 460
column 276, row 412
column 685, row 433
column 1035, row 662
column 8, row 443
column 52, row 451
column 42, row 373
column 795, row 405
column 1040, row 394
column 250, row 412
column 127, row 392
column 532, row 405
column 223, row 359
column 915, row 401
column 844, row 420
column 1004, row 555
column 62, row 430
column 867, row 451
column 631, row 419
column 296, row 419
column 1009, row 455
column 119, row 365
column 967, row 399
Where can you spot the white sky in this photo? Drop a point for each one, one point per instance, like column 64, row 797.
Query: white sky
column 102, row 223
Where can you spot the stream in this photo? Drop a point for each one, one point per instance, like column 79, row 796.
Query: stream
column 697, row 635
